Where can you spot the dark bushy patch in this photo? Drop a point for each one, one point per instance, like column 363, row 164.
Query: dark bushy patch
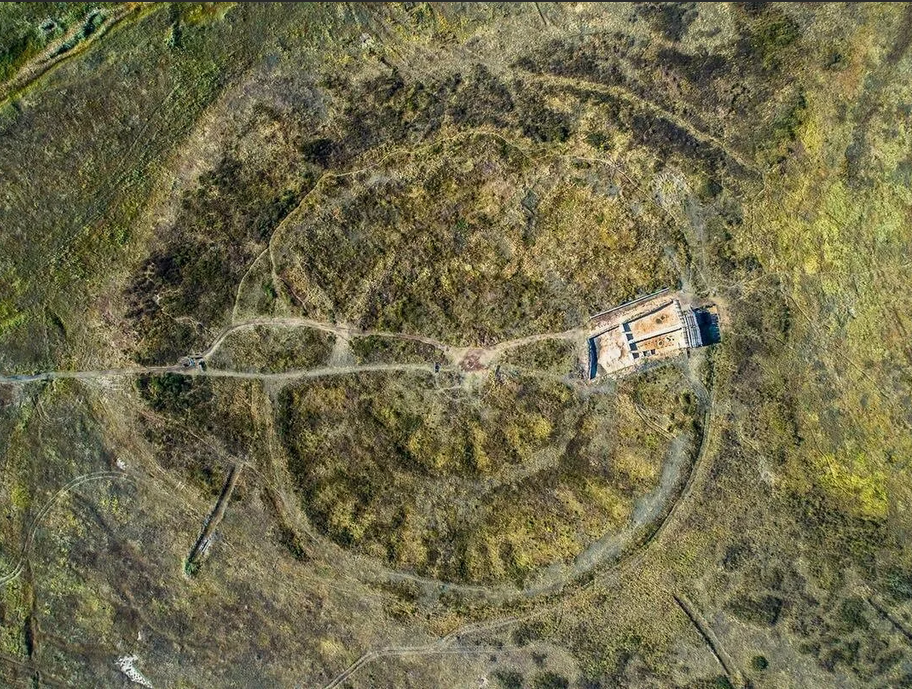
column 671, row 19
column 764, row 610
column 509, row 679
column 188, row 286
column 550, row 680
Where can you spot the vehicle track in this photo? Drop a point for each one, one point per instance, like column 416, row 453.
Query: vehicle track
column 621, row 566
column 438, row 647
column 13, row 574
column 38, row 676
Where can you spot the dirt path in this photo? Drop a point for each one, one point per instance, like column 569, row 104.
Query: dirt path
column 623, row 564
column 438, row 647
column 456, row 354
column 895, row 621
column 649, row 530
column 214, row 373
column 481, row 356
column 661, row 516
column 87, row 375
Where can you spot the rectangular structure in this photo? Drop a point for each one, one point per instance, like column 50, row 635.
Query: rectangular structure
column 654, row 326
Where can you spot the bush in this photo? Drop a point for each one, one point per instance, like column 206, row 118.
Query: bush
column 509, row 679
column 550, row 680
column 759, row 663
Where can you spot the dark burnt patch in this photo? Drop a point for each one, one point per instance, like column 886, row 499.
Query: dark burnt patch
column 700, row 68
column 669, row 19
column 385, row 109
column 187, row 285
column 481, row 99
column 543, row 124
column 592, row 58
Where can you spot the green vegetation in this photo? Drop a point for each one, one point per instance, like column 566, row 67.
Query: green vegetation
column 175, row 394
column 541, row 470
column 550, row 680
column 509, row 679
column 119, row 126
column 476, row 273
column 220, row 229
column 558, row 357
column 26, row 28
column 191, row 568
column 376, row 349
column 263, row 349
column 770, row 35
column 470, row 173
column 197, row 426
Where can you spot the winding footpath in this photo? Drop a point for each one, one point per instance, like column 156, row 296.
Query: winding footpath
column 624, row 562
column 463, row 359
column 480, row 357
column 441, row 646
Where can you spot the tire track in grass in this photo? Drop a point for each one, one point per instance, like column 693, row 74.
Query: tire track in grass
column 14, row 573
column 439, row 647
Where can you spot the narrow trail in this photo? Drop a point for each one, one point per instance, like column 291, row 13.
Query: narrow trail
column 348, row 332
column 642, row 539
column 574, row 333
column 456, row 355
column 277, row 282
column 35, row 672
column 342, row 331
column 214, row 373
column 622, row 565
column 439, row 647
column 14, row 573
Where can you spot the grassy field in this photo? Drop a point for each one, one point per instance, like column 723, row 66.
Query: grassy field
column 262, row 349
column 477, row 488
column 374, row 349
column 558, row 357
column 470, row 173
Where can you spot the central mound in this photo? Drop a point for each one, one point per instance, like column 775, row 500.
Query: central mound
column 482, row 485
column 472, row 239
